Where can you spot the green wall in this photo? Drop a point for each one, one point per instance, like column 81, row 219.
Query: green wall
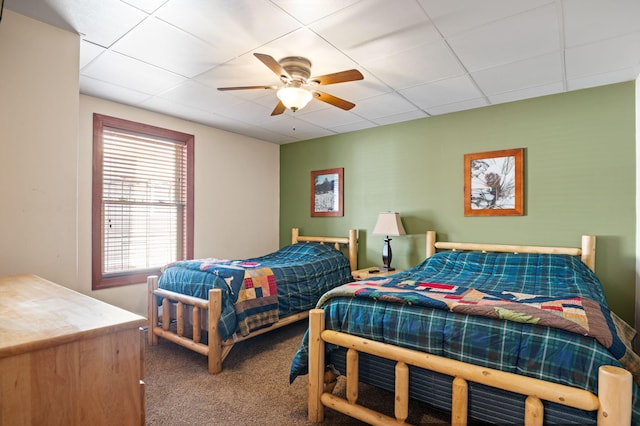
column 579, row 178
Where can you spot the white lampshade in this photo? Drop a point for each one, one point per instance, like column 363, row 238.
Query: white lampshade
column 294, row 98
column 389, row 224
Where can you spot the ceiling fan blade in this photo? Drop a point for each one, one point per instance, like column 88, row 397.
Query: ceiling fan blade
column 333, row 100
column 273, row 65
column 246, row 87
column 279, row 109
column 338, row 77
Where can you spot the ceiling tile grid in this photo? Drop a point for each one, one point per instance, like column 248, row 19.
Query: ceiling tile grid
column 419, row 58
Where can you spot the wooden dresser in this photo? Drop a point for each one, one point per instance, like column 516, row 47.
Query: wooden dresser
column 66, row 358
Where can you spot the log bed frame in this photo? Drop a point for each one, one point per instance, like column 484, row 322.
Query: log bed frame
column 217, row 349
column 613, row 402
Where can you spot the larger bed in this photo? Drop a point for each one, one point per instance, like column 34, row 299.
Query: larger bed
column 208, row 305
column 522, row 336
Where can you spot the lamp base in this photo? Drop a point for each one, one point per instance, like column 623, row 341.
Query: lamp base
column 384, row 268
column 386, row 255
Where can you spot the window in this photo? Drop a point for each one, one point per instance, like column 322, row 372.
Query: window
column 142, row 200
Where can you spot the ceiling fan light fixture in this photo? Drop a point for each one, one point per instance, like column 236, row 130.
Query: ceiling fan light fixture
column 294, row 98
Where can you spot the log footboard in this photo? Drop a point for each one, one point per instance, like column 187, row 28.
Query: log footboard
column 216, row 349
column 613, row 402
column 213, row 349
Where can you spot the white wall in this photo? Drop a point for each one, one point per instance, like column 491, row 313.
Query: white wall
column 46, row 160
column 38, row 148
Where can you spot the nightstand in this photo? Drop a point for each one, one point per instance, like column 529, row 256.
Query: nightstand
column 372, row 271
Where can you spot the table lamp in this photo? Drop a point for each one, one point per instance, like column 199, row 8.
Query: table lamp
column 388, row 224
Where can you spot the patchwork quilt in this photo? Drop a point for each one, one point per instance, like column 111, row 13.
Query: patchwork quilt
column 251, row 287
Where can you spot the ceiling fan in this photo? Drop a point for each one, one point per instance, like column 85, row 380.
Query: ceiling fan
column 299, row 87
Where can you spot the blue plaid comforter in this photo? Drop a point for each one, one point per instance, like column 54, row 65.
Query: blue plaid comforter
column 303, row 272
column 533, row 350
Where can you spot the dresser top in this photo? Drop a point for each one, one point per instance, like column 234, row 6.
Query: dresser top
column 36, row 313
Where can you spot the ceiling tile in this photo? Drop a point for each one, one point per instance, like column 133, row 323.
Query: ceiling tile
column 587, row 21
column 594, row 80
column 533, row 72
column 458, row 106
column 88, row 52
column 126, row 72
column 112, row 92
column 249, row 112
column 383, row 105
column 453, row 17
column 175, row 109
column 158, row 43
column 195, row 95
column 149, row 6
column 399, row 118
column 529, row 92
column 233, row 27
column 309, row 11
column 295, row 128
column 329, row 118
column 352, row 127
column 604, row 56
column 374, row 28
column 102, row 22
column 419, row 65
column 263, row 134
column 526, row 35
column 444, row 92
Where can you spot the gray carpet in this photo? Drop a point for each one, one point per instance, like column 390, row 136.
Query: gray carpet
column 253, row 388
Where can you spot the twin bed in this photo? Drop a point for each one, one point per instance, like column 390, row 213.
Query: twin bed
column 209, row 305
column 496, row 333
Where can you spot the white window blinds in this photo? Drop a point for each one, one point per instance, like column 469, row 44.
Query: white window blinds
column 143, row 202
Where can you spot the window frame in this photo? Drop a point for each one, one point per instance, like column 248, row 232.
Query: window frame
column 100, row 121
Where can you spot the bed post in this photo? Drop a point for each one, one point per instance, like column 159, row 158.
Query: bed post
column 431, row 243
column 614, row 393
column 316, row 366
column 215, row 343
column 353, row 249
column 589, row 251
column 152, row 309
column 295, row 232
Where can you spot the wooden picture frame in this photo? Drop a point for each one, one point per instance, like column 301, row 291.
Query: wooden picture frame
column 327, row 192
column 493, row 183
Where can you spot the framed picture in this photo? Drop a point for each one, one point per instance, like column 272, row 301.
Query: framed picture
column 327, row 192
column 493, row 183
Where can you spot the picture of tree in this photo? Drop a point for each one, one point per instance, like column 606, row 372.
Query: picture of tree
column 326, row 192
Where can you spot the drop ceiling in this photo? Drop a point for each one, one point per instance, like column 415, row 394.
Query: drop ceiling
column 419, row 58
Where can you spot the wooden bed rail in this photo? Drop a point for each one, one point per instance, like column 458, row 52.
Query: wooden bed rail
column 614, row 383
column 587, row 251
